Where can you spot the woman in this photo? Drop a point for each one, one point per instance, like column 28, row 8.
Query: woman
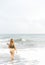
column 12, row 48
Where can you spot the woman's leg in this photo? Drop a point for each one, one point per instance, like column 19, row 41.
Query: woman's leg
column 12, row 54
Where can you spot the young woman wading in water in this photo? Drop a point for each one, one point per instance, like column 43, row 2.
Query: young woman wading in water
column 12, row 48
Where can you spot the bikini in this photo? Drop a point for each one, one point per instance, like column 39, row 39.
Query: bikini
column 12, row 46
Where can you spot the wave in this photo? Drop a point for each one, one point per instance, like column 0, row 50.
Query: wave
column 29, row 40
column 22, row 43
column 22, row 40
column 4, row 40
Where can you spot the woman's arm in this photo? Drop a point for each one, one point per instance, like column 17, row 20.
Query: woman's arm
column 8, row 45
column 14, row 47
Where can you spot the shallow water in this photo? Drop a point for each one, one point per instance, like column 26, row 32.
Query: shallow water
column 5, row 59
column 29, row 56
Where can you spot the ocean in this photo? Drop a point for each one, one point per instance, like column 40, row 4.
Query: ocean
column 30, row 49
column 23, row 40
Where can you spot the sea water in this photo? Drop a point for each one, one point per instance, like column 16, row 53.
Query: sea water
column 23, row 40
column 29, row 48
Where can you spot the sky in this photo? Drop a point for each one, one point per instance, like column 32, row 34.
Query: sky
column 22, row 16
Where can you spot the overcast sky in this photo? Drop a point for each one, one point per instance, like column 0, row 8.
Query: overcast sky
column 22, row 16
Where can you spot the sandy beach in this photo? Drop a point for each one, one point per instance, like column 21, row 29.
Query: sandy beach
column 28, row 56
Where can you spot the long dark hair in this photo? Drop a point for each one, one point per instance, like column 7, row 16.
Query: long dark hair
column 11, row 42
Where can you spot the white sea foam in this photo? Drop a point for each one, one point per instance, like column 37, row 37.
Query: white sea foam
column 29, row 56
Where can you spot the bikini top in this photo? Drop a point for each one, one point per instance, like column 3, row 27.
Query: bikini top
column 12, row 46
